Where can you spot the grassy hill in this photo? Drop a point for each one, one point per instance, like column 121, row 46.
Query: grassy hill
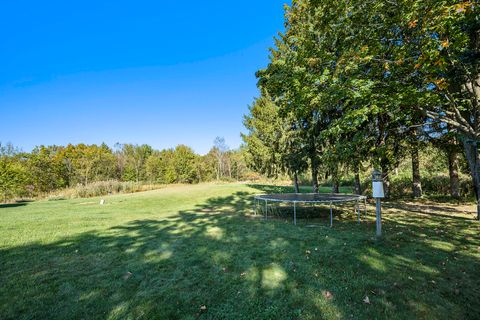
column 198, row 252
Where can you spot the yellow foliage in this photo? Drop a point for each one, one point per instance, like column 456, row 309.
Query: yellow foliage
column 441, row 83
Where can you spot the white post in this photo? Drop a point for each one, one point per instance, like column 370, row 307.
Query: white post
column 379, row 217
column 377, row 192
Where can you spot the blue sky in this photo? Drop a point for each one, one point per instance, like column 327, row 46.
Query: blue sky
column 154, row 72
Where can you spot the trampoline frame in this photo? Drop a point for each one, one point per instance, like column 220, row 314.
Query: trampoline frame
column 344, row 198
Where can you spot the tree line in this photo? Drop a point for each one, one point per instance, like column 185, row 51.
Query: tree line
column 49, row 168
column 358, row 84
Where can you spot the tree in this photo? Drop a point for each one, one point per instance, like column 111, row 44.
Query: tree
column 239, row 166
column 184, row 160
column 13, row 175
column 155, row 167
column 263, row 152
column 447, row 36
column 135, row 158
column 367, row 69
column 168, row 157
column 46, row 169
column 220, row 151
column 86, row 163
column 293, row 157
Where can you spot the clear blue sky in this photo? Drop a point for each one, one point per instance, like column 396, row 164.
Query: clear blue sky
column 156, row 72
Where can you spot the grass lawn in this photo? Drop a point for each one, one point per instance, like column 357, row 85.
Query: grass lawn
column 197, row 252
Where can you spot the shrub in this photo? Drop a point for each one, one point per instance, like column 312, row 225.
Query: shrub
column 440, row 185
column 56, row 197
column 401, row 186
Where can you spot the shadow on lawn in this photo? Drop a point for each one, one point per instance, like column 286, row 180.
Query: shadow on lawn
column 239, row 267
column 429, row 209
column 18, row 203
column 12, row 205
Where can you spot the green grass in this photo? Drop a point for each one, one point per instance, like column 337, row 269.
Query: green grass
column 163, row 254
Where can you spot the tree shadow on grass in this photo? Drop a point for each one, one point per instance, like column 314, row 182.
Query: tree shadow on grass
column 237, row 266
column 13, row 205
column 438, row 210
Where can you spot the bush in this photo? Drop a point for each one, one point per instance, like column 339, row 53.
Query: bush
column 437, row 185
column 401, row 186
column 56, row 197
column 440, row 185
column 252, row 176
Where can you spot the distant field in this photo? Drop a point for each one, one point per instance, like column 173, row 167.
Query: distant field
column 197, row 252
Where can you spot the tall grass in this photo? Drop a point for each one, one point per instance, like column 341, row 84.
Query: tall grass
column 101, row 188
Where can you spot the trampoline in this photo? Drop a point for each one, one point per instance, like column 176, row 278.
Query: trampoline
column 330, row 199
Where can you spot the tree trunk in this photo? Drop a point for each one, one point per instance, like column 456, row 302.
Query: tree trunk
column 314, row 176
column 386, row 183
column 357, row 185
column 471, row 152
column 295, row 182
column 314, row 164
column 229, row 169
column 453, row 172
column 385, row 168
column 416, row 181
column 335, row 186
column 221, row 168
column 335, row 179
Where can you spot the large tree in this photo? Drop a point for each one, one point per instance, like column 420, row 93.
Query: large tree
column 264, row 125
column 447, row 36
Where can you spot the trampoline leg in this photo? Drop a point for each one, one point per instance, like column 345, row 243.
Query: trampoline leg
column 365, row 207
column 266, row 210
column 255, row 207
column 294, row 213
column 331, row 215
column 357, row 210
